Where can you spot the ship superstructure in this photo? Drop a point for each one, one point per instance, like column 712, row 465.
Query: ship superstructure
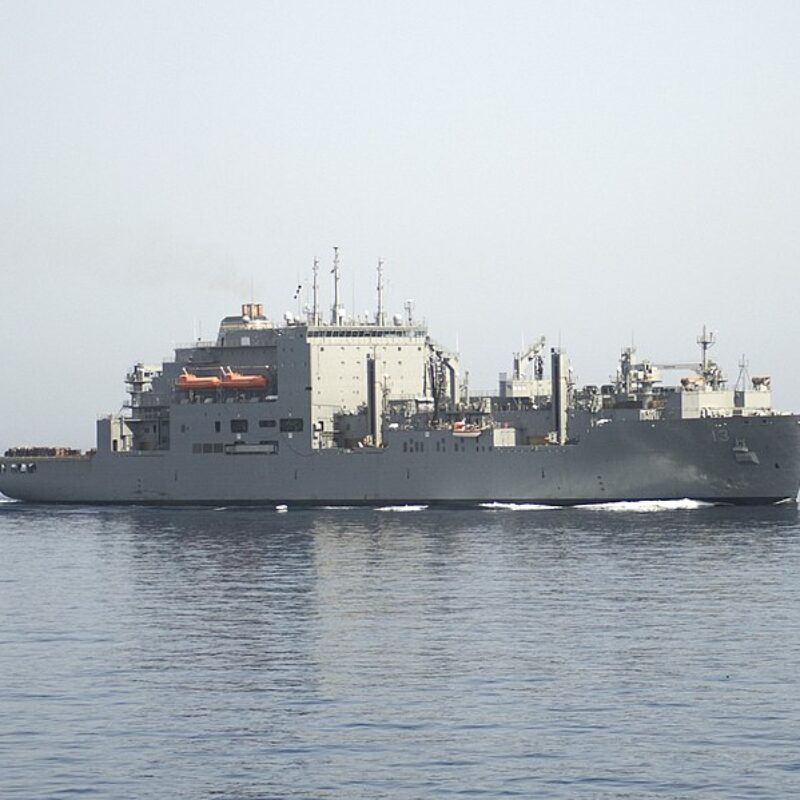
column 342, row 410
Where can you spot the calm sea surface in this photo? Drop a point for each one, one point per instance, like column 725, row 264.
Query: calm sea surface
column 568, row 653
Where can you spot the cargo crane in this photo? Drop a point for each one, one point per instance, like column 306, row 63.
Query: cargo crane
column 532, row 354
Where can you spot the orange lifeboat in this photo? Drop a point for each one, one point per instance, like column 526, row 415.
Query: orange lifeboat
column 467, row 430
column 235, row 380
column 197, row 383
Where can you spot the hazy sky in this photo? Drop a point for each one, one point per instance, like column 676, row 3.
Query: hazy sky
column 589, row 171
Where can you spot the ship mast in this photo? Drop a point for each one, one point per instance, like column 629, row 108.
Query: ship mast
column 336, row 315
column 315, row 295
column 409, row 306
column 380, row 318
column 743, row 381
column 706, row 341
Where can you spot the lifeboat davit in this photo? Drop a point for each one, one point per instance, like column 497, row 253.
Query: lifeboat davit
column 197, row 383
column 235, row 380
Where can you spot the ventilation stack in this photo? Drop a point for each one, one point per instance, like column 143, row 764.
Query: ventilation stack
column 374, row 401
column 559, row 370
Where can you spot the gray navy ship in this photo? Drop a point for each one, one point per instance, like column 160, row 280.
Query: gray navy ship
column 372, row 411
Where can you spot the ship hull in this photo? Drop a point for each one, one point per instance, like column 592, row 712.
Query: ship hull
column 736, row 460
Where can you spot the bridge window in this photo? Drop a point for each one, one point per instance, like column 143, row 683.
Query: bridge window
column 239, row 426
column 291, row 425
column 266, row 423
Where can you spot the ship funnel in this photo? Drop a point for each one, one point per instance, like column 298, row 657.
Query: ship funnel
column 253, row 310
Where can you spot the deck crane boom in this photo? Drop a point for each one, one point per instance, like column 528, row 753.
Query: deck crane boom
column 532, row 353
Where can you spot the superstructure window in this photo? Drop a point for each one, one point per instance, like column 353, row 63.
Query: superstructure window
column 239, row 426
column 206, row 448
column 291, row 425
column 217, row 426
column 266, row 423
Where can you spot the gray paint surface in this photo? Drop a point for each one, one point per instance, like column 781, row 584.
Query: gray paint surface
column 288, row 441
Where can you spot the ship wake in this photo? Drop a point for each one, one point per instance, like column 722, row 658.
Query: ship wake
column 497, row 506
column 401, row 508
column 648, row 506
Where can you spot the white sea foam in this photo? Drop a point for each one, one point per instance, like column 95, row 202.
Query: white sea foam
column 497, row 506
column 281, row 509
column 401, row 508
column 338, row 508
column 647, row 506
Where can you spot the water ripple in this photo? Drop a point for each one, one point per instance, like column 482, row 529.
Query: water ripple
column 360, row 654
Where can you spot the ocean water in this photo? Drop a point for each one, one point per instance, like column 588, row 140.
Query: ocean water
column 645, row 651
